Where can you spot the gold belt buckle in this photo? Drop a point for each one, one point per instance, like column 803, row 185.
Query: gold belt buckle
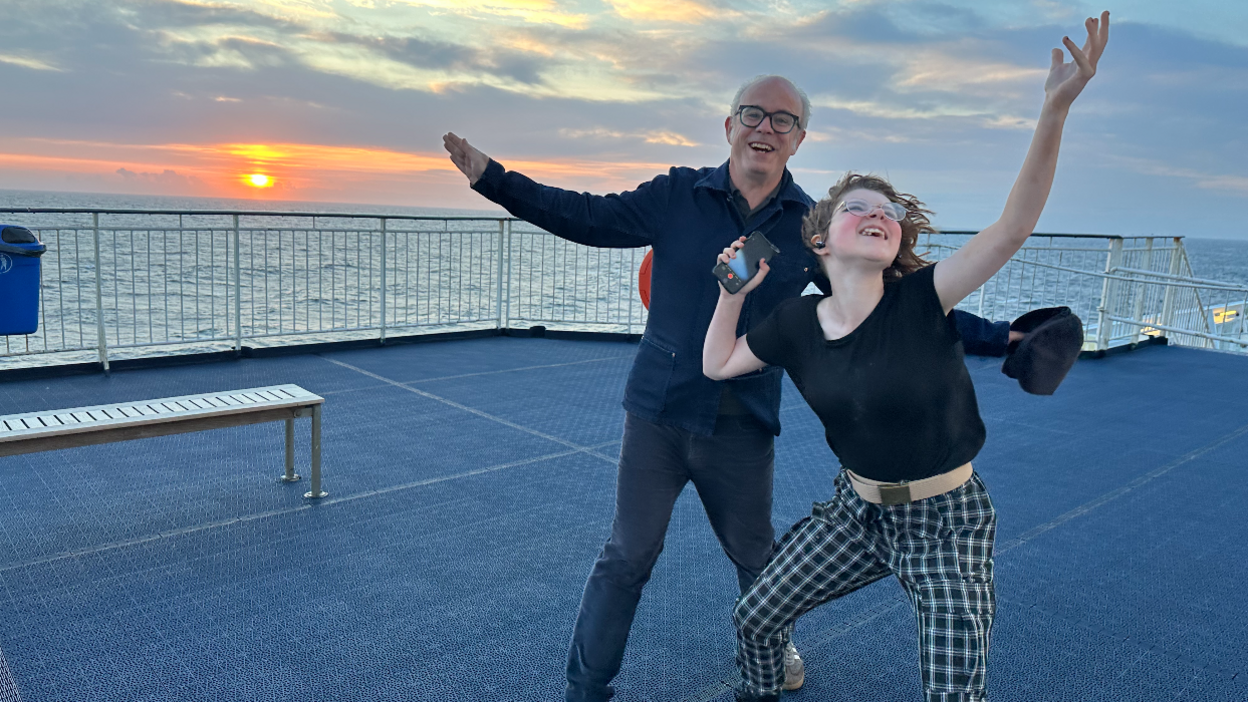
column 894, row 494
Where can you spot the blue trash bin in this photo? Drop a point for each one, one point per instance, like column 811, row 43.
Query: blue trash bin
column 19, row 280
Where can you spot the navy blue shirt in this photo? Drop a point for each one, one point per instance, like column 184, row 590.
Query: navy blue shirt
column 688, row 217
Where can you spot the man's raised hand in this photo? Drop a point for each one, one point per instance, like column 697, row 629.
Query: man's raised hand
column 1066, row 80
column 467, row 158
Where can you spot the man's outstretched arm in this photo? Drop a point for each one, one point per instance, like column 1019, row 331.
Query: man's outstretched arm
column 982, row 337
column 625, row 220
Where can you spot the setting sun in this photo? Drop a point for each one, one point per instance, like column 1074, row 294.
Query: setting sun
column 257, row 180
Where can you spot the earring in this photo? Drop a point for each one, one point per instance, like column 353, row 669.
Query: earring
column 817, row 242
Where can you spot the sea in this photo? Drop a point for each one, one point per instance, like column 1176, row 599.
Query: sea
column 1224, row 260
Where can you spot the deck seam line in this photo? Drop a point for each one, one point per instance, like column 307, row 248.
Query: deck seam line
column 1115, row 494
column 479, row 413
column 471, row 375
column 325, row 502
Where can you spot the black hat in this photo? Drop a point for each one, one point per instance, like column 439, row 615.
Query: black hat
column 1052, row 339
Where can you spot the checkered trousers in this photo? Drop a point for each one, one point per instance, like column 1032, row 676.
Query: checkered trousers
column 939, row 548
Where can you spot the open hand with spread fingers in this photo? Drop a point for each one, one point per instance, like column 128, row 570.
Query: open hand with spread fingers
column 1066, row 80
column 467, row 158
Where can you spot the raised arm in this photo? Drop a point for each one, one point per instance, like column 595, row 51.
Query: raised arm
column 623, row 220
column 724, row 354
column 980, row 258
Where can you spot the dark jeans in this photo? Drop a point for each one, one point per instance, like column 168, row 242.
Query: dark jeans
column 732, row 472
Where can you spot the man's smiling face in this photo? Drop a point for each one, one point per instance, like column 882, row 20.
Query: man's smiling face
column 759, row 153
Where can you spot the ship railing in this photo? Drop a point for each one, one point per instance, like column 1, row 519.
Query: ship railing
column 125, row 283
column 1126, row 289
column 118, row 283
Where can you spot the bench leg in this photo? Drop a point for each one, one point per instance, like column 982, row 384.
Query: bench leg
column 316, row 491
column 290, row 476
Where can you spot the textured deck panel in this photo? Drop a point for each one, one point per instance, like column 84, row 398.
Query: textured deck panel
column 473, row 486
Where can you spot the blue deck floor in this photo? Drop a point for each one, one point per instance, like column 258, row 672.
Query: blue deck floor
column 471, row 486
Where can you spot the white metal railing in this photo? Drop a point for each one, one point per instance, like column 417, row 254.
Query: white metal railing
column 1126, row 289
column 127, row 281
column 122, row 280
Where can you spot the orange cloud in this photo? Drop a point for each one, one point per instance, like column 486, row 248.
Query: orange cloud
column 320, row 171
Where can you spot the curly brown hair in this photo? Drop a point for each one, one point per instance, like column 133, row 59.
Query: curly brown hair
column 915, row 223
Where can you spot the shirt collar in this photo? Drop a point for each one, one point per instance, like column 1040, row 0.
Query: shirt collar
column 720, row 180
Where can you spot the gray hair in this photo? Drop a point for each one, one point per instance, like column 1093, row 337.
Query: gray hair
column 802, row 121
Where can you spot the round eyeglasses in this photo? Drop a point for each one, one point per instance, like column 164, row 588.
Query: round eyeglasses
column 781, row 122
column 862, row 208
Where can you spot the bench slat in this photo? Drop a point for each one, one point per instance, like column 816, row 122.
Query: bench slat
column 32, row 425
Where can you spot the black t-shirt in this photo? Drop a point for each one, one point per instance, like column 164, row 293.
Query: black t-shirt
column 894, row 395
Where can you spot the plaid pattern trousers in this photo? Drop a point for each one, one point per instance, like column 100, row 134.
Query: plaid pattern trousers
column 939, row 548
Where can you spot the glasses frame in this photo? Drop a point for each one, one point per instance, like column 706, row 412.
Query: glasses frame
column 889, row 209
column 797, row 120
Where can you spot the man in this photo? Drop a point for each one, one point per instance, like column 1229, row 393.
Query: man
column 681, row 426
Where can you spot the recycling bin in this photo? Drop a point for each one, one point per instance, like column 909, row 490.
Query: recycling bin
column 19, row 280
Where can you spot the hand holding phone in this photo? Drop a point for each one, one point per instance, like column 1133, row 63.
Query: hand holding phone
column 739, row 263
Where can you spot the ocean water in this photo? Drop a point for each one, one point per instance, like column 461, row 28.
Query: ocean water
column 17, row 199
column 1215, row 259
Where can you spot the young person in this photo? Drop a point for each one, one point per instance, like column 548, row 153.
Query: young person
column 880, row 362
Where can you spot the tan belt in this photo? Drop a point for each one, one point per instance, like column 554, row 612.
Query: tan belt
column 879, row 493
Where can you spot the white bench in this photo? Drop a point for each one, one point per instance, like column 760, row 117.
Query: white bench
column 84, row 426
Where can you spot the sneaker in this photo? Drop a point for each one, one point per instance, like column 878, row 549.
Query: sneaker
column 794, row 670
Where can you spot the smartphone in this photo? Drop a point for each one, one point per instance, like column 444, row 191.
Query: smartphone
column 735, row 274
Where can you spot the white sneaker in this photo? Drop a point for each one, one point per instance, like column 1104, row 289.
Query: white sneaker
column 794, row 670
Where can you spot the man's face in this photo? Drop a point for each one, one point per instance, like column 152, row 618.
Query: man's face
column 759, row 152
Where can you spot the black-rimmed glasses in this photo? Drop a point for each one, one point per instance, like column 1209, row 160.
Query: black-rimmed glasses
column 781, row 122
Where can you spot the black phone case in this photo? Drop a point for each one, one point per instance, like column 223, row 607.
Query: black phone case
column 756, row 247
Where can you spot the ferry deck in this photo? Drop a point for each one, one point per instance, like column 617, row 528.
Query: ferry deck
column 471, row 486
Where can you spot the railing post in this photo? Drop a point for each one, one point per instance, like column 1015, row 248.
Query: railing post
column 632, row 274
column 1176, row 266
column 1138, row 313
column 99, row 295
column 507, row 292
column 238, row 293
column 1108, row 289
column 502, row 253
column 383, row 280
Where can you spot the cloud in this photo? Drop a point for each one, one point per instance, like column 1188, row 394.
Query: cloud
column 534, row 11
column 519, row 65
column 1228, row 183
column 872, row 108
column 668, row 138
column 164, row 180
column 194, row 14
column 946, row 70
column 27, row 62
column 679, row 11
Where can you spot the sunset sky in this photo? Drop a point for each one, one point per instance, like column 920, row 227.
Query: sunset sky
column 346, row 100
